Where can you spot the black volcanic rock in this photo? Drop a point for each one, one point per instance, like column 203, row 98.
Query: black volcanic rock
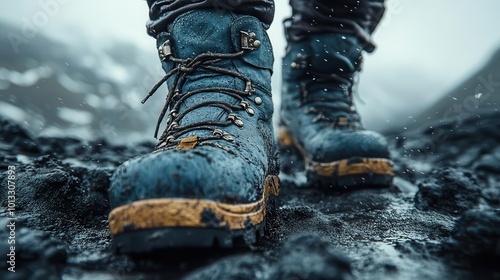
column 492, row 195
column 15, row 137
column 48, row 186
column 489, row 162
column 62, row 200
column 241, row 267
column 311, row 256
column 477, row 233
column 448, row 190
column 37, row 254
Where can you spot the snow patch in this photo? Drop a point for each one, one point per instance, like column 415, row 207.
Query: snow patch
column 94, row 100
column 24, row 79
column 73, row 85
column 12, row 112
column 78, row 117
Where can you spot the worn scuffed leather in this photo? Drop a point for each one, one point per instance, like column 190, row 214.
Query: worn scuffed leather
column 234, row 173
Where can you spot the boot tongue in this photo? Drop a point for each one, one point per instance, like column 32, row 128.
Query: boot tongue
column 198, row 32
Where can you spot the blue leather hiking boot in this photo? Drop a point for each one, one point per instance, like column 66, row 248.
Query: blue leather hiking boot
column 318, row 118
column 213, row 173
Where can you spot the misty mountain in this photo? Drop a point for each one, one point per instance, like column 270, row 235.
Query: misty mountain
column 83, row 89
column 479, row 92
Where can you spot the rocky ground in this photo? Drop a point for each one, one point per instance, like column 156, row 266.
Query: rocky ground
column 440, row 219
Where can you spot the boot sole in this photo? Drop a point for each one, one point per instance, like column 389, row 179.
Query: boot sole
column 346, row 174
column 155, row 224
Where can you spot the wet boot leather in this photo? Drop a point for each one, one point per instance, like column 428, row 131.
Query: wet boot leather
column 318, row 118
column 213, row 173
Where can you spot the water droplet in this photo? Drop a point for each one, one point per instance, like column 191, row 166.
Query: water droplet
column 478, row 95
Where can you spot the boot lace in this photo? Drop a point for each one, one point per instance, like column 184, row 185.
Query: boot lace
column 182, row 69
column 327, row 107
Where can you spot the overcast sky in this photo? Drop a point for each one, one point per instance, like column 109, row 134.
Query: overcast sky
column 425, row 47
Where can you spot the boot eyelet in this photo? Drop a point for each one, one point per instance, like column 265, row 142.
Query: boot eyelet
column 258, row 100
column 217, row 133
column 161, row 145
column 228, row 137
column 173, row 126
column 250, row 111
column 235, row 119
column 244, row 104
column 249, row 89
column 169, row 139
column 249, row 41
column 165, row 50
column 238, row 122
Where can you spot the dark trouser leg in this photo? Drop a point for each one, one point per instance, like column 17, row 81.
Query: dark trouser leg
column 163, row 12
column 358, row 17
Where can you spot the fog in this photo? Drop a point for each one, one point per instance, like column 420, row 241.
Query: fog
column 425, row 48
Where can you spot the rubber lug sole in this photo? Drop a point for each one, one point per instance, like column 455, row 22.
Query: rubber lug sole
column 347, row 174
column 154, row 240
column 156, row 224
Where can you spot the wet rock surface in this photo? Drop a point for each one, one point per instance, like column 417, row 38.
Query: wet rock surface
column 38, row 255
column 477, row 233
column 448, row 190
column 312, row 257
column 438, row 219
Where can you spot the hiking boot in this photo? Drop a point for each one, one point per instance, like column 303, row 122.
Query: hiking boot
column 318, row 118
column 213, row 173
